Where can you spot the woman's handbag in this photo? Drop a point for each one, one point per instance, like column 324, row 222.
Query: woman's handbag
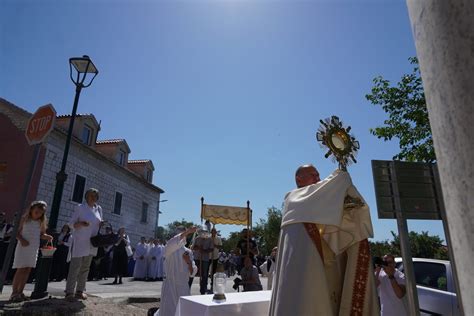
column 104, row 240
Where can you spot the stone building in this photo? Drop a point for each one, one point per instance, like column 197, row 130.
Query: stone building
column 127, row 195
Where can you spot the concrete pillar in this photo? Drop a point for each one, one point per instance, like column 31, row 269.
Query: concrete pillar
column 444, row 37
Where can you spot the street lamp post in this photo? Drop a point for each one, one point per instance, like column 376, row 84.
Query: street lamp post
column 83, row 66
column 158, row 212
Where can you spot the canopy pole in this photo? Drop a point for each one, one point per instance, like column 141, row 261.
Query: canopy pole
column 200, row 250
column 202, row 208
column 248, row 228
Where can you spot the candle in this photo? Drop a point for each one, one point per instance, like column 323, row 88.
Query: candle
column 220, row 288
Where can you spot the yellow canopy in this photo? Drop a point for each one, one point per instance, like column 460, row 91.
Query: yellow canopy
column 219, row 214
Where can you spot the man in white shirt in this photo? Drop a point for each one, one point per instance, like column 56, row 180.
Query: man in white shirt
column 391, row 285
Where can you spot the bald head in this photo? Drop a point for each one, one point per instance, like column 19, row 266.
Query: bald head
column 306, row 175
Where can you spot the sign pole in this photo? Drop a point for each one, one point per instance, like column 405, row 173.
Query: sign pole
column 444, row 220
column 248, row 228
column 412, row 295
column 18, row 215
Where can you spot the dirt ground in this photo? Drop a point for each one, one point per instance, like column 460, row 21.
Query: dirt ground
column 92, row 306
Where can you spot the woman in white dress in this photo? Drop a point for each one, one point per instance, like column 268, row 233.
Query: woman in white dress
column 32, row 229
column 86, row 221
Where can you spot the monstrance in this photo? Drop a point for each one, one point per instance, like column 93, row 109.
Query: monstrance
column 342, row 146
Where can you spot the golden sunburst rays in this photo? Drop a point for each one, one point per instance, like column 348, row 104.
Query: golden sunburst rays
column 342, row 146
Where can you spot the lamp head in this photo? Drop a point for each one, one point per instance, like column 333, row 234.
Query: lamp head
column 83, row 66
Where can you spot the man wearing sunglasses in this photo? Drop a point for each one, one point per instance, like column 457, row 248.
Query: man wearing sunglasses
column 391, row 285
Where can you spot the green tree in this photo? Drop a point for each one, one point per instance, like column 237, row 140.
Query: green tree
column 381, row 248
column 161, row 233
column 167, row 232
column 422, row 245
column 407, row 120
column 230, row 243
column 266, row 233
column 267, row 230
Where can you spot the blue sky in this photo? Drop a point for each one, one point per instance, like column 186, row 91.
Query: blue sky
column 224, row 96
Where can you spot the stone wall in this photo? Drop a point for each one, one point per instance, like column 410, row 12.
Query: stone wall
column 105, row 175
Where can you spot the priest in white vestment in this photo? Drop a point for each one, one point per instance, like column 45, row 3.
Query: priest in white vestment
column 323, row 265
column 179, row 267
column 140, row 255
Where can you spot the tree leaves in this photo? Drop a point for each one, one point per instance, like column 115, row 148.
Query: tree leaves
column 267, row 231
column 165, row 233
column 422, row 245
column 408, row 119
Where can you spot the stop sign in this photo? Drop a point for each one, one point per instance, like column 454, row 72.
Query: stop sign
column 40, row 124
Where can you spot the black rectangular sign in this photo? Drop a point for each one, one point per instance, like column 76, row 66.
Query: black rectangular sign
column 413, row 187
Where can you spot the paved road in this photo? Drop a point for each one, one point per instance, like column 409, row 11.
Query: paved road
column 105, row 289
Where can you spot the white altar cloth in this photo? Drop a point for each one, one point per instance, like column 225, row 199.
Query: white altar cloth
column 244, row 303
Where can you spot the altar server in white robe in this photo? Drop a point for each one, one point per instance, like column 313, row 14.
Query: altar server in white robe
column 140, row 255
column 154, row 257
column 161, row 256
column 179, row 267
column 323, row 265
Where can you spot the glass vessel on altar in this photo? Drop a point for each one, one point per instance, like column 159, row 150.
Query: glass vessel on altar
column 220, row 279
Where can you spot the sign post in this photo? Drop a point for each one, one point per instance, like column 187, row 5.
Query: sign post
column 40, row 124
column 409, row 190
column 38, row 128
column 412, row 295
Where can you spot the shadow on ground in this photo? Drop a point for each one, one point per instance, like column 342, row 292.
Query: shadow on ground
column 52, row 306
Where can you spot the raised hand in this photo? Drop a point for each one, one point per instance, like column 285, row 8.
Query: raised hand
column 191, row 230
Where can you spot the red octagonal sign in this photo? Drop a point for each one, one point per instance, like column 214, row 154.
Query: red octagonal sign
column 40, row 124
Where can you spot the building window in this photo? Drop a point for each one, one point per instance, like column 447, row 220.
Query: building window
column 79, row 186
column 122, row 157
column 149, row 175
column 118, row 203
column 86, row 135
column 144, row 212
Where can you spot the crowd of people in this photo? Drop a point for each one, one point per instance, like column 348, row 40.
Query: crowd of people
column 176, row 263
column 75, row 258
column 77, row 261
column 197, row 259
column 201, row 257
